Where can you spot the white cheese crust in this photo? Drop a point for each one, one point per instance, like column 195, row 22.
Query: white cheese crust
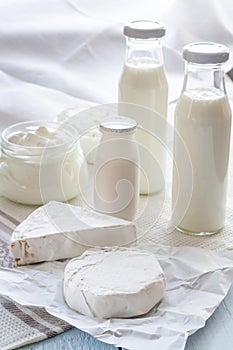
column 114, row 282
column 59, row 231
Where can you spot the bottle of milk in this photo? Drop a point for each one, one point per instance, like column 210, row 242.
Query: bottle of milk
column 203, row 121
column 143, row 83
column 116, row 172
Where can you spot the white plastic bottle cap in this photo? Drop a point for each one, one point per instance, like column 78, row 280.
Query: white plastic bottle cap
column 205, row 53
column 144, row 29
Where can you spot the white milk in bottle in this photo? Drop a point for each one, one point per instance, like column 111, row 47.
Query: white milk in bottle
column 203, row 121
column 143, row 83
column 116, row 173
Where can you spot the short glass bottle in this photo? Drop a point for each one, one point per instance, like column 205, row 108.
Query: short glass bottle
column 116, row 173
column 203, row 121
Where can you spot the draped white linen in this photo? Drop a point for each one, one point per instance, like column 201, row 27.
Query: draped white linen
column 56, row 53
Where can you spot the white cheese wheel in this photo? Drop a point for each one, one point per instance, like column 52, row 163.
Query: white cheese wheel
column 114, row 282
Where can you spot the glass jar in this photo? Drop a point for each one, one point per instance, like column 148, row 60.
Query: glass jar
column 143, row 82
column 116, row 175
column 203, row 121
column 37, row 168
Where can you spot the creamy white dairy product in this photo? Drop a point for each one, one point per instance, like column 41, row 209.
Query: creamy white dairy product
column 86, row 120
column 116, row 173
column 89, row 143
column 57, row 231
column 143, row 82
column 40, row 137
column 41, row 163
column 203, row 120
column 114, row 282
column 70, row 113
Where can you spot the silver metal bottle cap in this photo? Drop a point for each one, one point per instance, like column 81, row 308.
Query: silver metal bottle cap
column 118, row 124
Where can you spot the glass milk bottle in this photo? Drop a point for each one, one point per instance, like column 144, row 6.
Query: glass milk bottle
column 143, row 82
column 116, row 173
column 203, row 121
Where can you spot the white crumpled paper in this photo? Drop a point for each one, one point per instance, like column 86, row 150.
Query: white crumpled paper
column 197, row 281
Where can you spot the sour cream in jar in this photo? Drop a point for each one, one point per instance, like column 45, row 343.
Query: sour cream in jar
column 41, row 161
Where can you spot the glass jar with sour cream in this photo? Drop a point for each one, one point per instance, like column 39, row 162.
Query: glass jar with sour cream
column 41, row 161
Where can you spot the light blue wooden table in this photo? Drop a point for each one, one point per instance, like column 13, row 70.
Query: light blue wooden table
column 216, row 335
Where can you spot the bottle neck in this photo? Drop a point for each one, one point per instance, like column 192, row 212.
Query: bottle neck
column 148, row 49
column 204, row 76
column 116, row 136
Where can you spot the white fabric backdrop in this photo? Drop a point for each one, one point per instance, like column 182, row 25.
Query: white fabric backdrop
column 56, row 53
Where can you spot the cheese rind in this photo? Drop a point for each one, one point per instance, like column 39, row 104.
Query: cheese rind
column 59, row 231
column 114, row 282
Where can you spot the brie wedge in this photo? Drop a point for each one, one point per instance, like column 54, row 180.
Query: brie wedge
column 113, row 282
column 58, row 231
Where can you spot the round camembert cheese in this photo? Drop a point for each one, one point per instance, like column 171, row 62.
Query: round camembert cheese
column 114, row 282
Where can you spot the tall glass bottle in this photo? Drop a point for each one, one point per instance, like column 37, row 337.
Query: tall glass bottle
column 203, row 121
column 143, row 82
